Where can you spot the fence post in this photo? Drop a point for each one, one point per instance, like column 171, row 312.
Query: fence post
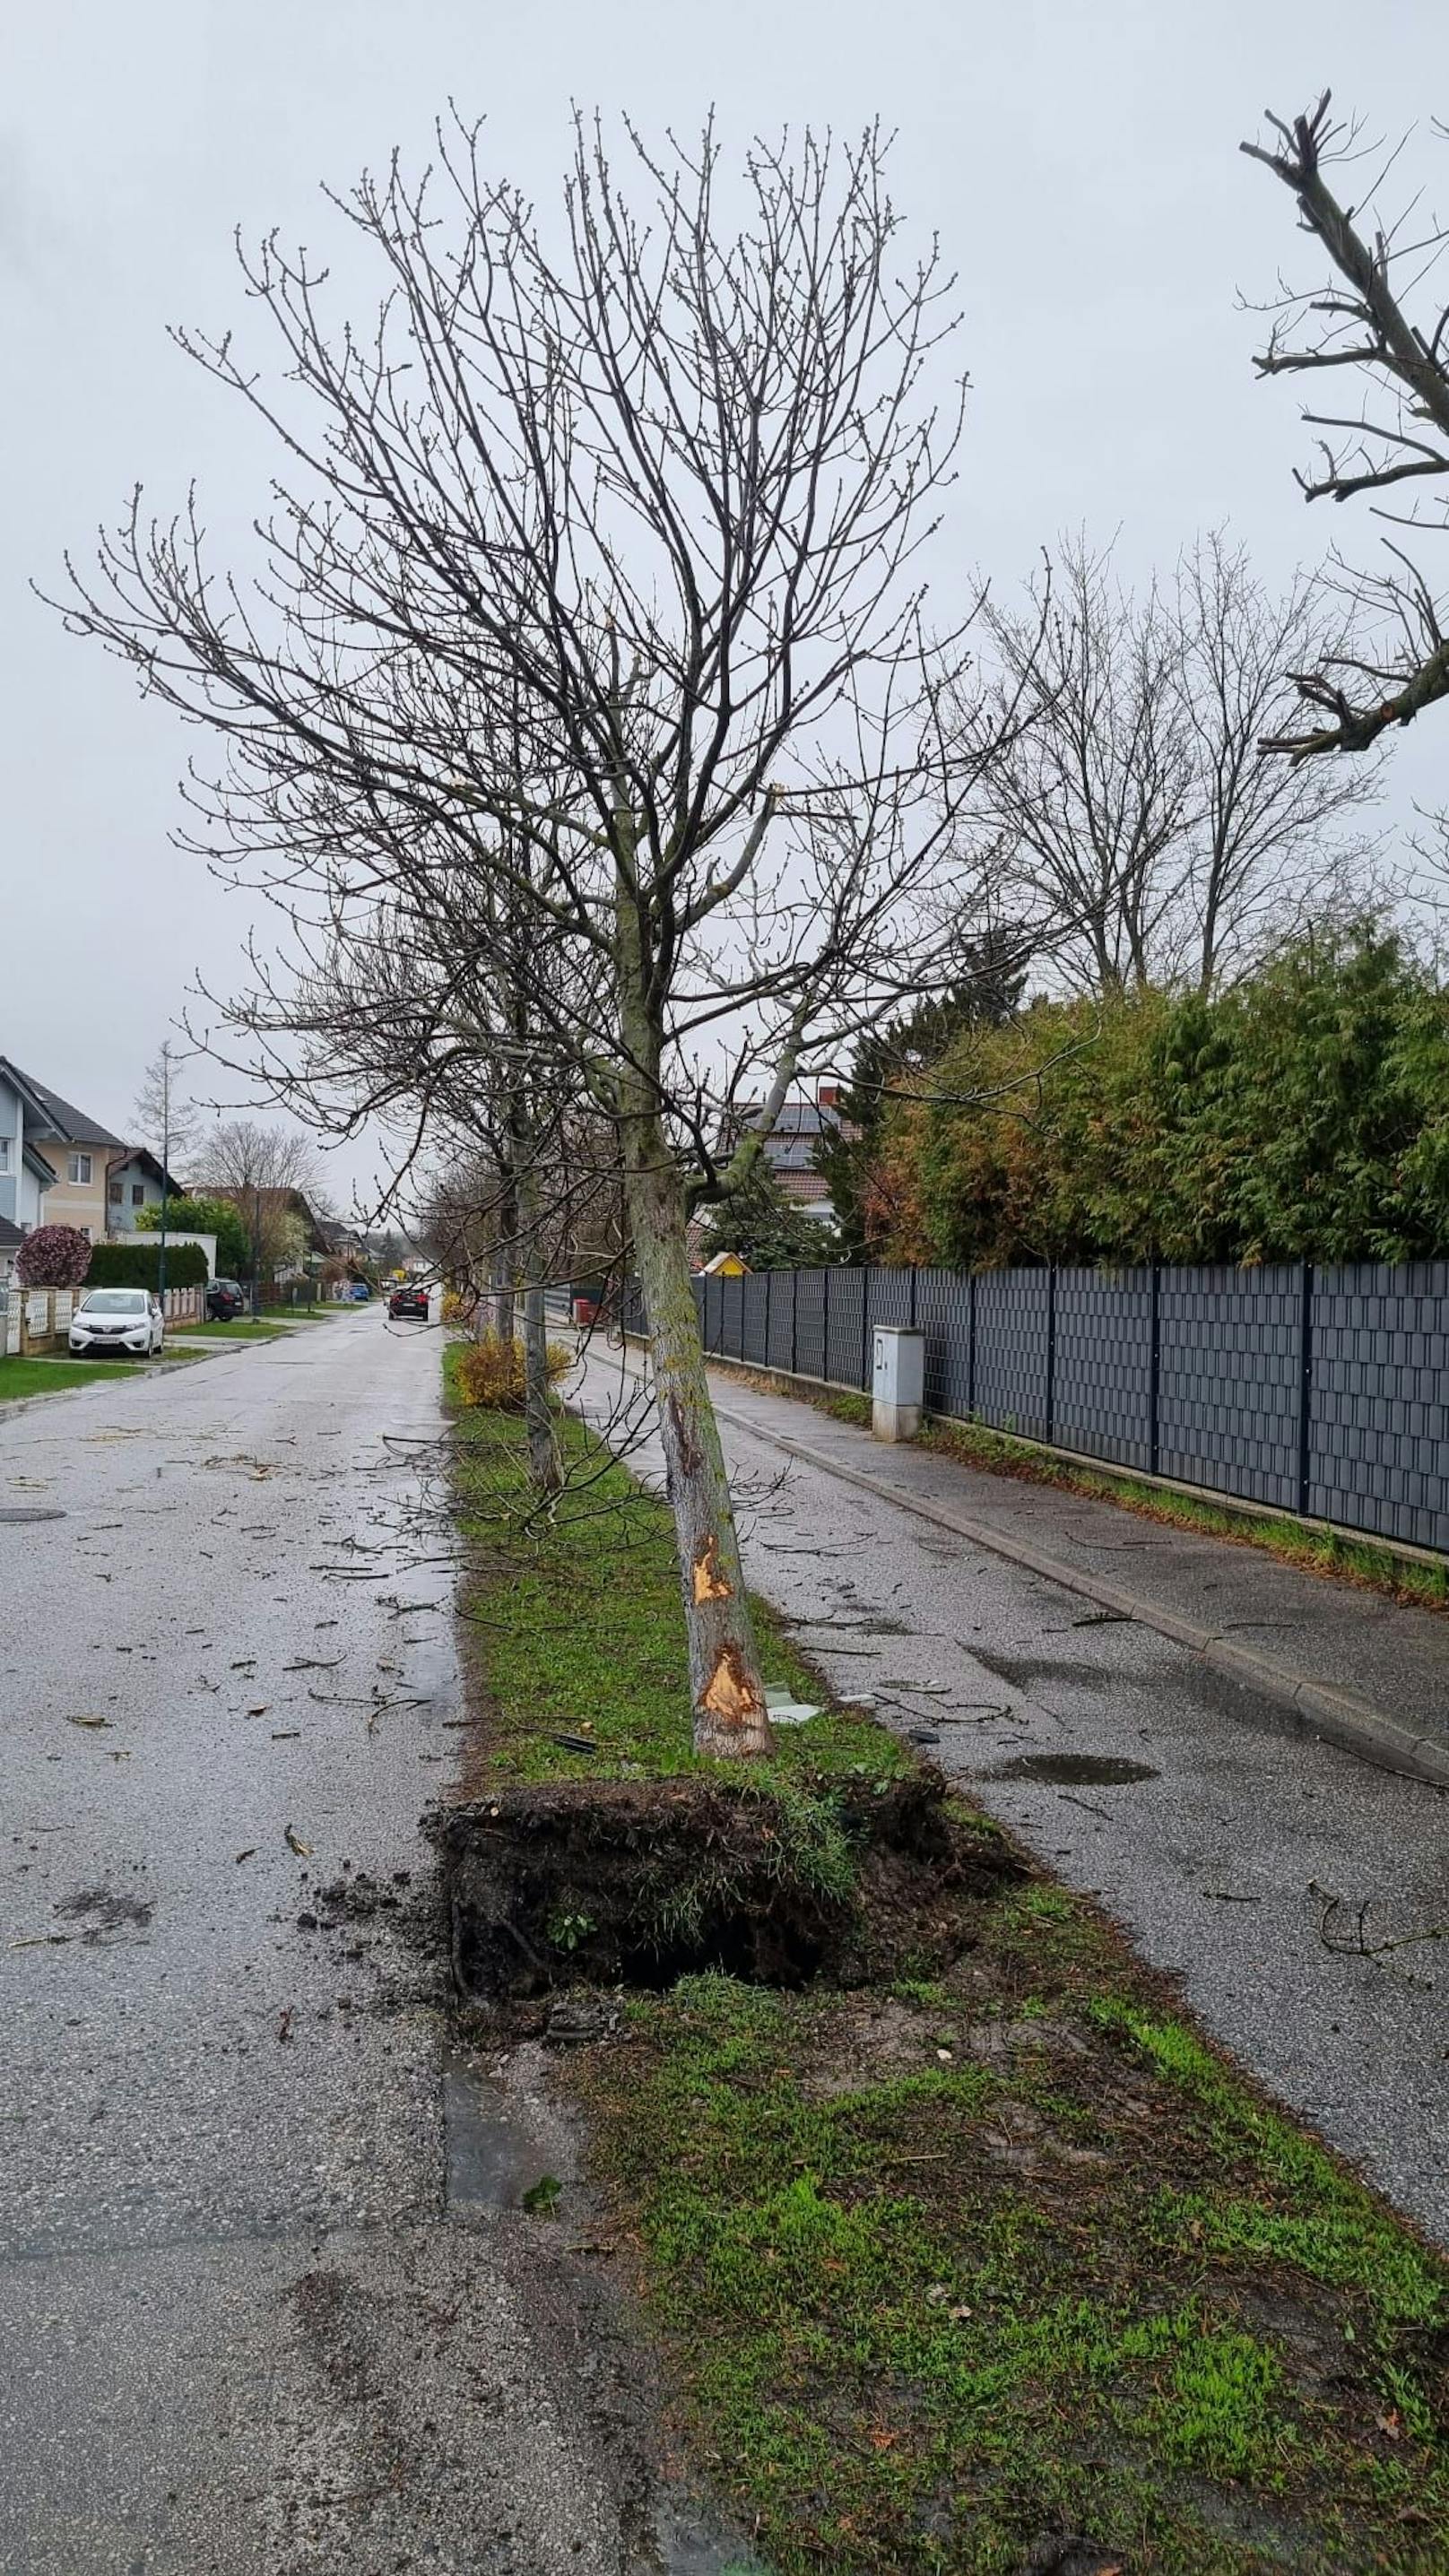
column 1305, row 1382
column 765, row 1354
column 971, row 1345
column 825, row 1332
column 913, row 1300
column 1154, row 1373
column 1051, row 1384
column 866, row 1372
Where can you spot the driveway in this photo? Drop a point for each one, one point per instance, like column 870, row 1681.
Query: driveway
column 248, row 2325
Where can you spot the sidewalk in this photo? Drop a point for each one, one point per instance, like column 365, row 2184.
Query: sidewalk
column 1361, row 1671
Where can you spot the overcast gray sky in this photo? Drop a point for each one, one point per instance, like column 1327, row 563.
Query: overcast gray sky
column 1080, row 164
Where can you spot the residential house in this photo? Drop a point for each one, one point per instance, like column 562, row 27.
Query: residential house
column 26, row 1177
column 285, row 1231
column 133, row 1181
column 78, row 1150
column 790, row 1147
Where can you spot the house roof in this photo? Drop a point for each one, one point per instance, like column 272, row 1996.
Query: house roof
column 10, row 1235
column 149, row 1162
column 66, row 1121
column 803, row 1189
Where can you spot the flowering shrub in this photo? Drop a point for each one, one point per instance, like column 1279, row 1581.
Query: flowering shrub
column 53, row 1256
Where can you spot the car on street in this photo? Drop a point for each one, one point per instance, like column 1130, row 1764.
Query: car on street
column 225, row 1300
column 409, row 1300
column 117, row 1319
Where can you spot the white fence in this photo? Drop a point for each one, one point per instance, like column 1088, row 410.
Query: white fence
column 38, row 1319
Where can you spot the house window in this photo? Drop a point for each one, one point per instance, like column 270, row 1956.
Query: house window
column 138, row 1194
column 116, row 1194
column 4, row 1153
column 80, row 1169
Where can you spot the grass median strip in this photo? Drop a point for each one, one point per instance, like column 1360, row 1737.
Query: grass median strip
column 977, row 2252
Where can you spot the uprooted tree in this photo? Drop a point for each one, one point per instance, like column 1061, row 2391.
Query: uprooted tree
column 663, row 490
column 1375, row 326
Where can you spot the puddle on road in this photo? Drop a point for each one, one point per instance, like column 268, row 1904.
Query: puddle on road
column 491, row 2159
column 1076, row 1770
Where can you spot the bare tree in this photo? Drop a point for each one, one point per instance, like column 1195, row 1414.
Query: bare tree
column 1362, row 319
column 1143, row 835
column 260, row 1168
column 1090, row 805
column 167, row 1119
column 1270, row 845
column 665, row 488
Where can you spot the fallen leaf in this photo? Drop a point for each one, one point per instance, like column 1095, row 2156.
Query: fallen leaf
column 284, row 2023
column 295, row 1842
column 249, row 1854
column 90, row 1721
column 261, row 1708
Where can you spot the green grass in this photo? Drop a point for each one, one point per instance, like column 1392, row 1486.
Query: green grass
column 900, row 2357
column 923, row 2301
column 243, row 1330
column 42, row 1376
column 581, row 1625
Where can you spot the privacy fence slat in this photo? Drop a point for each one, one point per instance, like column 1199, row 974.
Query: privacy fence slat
column 1323, row 1391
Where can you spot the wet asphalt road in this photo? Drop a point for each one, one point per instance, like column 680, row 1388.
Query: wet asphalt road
column 245, row 2332
column 1221, row 1860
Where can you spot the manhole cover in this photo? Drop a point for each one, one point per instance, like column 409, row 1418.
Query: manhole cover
column 27, row 1512
column 1076, row 1770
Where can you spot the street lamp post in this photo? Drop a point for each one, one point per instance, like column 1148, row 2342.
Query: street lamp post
column 165, row 1164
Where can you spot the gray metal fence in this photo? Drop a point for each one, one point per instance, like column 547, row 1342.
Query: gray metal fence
column 1323, row 1391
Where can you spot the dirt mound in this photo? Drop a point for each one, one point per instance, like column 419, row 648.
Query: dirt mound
column 640, row 1882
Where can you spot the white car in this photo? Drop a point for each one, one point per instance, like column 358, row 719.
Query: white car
column 118, row 1319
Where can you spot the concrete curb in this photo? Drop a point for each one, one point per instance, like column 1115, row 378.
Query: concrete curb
column 1339, row 1717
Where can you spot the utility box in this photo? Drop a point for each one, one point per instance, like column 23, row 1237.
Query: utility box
column 898, row 1382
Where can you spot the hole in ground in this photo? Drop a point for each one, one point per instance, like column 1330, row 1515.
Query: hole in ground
column 641, row 1883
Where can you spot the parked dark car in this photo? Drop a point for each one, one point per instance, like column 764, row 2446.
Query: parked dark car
column 225, row 1300
column 409, row 1300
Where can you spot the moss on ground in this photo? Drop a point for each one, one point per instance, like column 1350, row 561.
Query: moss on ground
column 947, row 2265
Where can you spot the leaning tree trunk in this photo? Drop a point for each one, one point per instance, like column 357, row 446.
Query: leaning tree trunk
column 726, row 1692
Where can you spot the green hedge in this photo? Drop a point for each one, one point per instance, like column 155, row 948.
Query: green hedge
column 138, row 1265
